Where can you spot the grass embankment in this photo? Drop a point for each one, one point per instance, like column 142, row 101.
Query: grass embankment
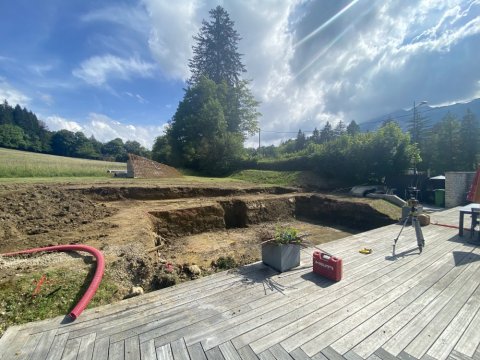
column 22, row 164
column 21, row 301
column 280, row 178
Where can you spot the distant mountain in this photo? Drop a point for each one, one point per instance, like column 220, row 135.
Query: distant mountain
column 434, row 114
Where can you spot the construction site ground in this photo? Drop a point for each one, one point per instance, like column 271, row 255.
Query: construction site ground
column 156, row 234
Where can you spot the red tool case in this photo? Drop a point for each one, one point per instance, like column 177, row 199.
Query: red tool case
column 327, row 265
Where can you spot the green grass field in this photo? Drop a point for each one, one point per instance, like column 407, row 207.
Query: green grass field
column 28, row 167
column 22, row 164
column 279, row 178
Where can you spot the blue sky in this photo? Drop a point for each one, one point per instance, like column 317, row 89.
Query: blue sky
column 118, row 68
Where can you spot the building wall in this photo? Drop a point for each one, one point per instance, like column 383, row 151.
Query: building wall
column 457, row 185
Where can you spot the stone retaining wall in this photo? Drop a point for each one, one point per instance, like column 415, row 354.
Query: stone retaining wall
column 457, row 185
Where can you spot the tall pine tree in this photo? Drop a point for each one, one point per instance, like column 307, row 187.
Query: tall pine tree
column 218, row 110
column 216, row 53
column 216, row 57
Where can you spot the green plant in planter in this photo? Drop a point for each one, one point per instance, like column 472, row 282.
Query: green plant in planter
column 287, row 235
column 281, row 250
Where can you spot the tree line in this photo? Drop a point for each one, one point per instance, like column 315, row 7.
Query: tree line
column 21, row 129
column 347, row 154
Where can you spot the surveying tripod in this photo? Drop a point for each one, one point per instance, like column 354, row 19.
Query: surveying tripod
column 412, row 216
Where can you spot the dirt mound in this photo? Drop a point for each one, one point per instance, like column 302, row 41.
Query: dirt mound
column 36, row 215
column 140, row 167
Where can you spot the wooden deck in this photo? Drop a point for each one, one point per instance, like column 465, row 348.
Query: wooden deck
column 412, row 306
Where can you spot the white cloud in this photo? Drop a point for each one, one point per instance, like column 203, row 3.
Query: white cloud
column 133, row 17
column 310, row 61
column 99, row 69
column 56, row 123
column 137, row 97
column 173, row 25
column 46, row 98
column 41, row 69
column 12, row 95
column 105, row 129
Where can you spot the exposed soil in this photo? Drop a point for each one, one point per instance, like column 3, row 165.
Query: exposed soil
column 154, row 236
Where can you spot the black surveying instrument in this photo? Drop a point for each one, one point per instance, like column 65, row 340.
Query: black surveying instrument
column 412, row 217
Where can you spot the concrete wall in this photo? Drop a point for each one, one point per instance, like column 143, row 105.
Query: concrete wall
column 457, row 185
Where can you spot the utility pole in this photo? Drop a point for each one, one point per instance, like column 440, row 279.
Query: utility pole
column 259, row 138
column 415, row 135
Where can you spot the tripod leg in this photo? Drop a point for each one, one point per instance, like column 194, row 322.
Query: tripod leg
column 398, row 236
column 419, row 234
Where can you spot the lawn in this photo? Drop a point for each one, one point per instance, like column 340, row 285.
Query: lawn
column 22, row 164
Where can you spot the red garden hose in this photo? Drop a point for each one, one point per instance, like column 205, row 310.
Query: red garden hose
column 97, row 278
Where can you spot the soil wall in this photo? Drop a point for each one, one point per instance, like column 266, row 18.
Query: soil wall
column 355, row 215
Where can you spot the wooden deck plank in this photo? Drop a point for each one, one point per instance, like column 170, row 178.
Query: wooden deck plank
column 370, row 318
column 384, row 354
column 476, row 356
column 405, row 356
column 380, row 336
column 269, row 301
column 58, row 345
column 446, row 342
column 147, row 351
column 246, row 353
column 164, row 352
column 160, row 327
column 71, row 349
column 132, row 348
column 8, row 339
column 420, row 345
column 331, row 354
column 280, row 353
column 240, row 314
column 116, row 351
column 408, row 333
column 470, row 339
column 455, row 355
column 266, row 355
column 229, row 352
column 319, row 356
column 179, row 350
column 196, row 352
column 124, row 320
column 299, row 354
column 29, row 346
column 100, row 350
column 352, row 355
column 87, row 343
column 214, row 354
column 43, row 347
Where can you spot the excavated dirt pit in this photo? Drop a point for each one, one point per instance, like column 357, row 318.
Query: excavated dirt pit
column 156, row 236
